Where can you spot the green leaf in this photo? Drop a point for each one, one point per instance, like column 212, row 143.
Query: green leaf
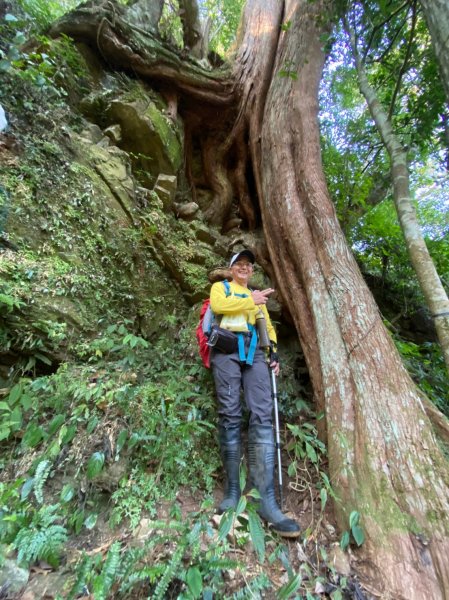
column 26, row 488
column 241, row 506
column 4, row 406
column 358, row 535
column 26, row 402
column 55, row 424
column 354, row 518
column 15, row 393
column 42, row 357
column 289, row 588
column 16, row 418
column 337, row 595
column 225, row 524
column 4, row 431
column 33, row 435
column 242, row 476
column 93, row 422
column 311, row 453
column 257, row 534
column 19, row 38
column 4, row 299
column 134, row 439
column 344, row 542
column 194, row 581
column 253, row 493
column 68, row 435
column 67, row 493
column 91, row 520
column 121, row 439
column 95, row 464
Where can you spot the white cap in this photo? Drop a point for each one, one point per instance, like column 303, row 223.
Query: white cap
column 246, row 253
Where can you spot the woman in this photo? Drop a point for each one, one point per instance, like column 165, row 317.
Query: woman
column 246, row 368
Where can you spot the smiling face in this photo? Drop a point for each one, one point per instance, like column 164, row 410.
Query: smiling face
column 241, row 271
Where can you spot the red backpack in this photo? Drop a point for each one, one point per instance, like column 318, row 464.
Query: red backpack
column 203, row 328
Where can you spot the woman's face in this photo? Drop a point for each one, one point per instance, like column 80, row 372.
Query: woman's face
column 241, row 271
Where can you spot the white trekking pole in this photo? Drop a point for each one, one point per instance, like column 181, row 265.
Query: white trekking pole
column 264, row 342
column 278, row 436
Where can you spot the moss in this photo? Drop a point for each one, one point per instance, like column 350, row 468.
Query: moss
column 169, row 134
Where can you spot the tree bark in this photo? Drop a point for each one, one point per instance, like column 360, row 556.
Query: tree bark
column 192, row 30
column 146, row 14
column 125, row 46
column 383, row 456
column 428, row 278
column 436, row 13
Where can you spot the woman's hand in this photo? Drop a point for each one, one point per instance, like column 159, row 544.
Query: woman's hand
column 274, row 362
column 261, row 296
column 276, row 367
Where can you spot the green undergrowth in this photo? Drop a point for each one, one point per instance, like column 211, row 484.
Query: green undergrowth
column 124, row 430
column 425, row 363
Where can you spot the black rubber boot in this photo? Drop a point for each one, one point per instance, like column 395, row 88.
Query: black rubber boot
column 261, row 455
column 231, row 452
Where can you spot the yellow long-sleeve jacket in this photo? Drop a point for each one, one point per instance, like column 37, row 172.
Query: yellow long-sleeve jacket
column 233, row 304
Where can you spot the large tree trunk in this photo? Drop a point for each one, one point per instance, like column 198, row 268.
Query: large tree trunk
column 422, row 263
column 384, row 459
column 437, row 17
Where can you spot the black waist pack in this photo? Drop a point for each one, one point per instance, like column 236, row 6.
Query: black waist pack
column 222, row 340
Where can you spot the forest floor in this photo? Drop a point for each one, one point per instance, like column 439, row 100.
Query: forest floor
column 324, row 567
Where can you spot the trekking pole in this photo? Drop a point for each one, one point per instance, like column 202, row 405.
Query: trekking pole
column 264, row 342
column 278, row 437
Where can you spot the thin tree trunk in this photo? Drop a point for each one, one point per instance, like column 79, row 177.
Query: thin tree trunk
column 437, row 17
column 192, row 30
column 422, row 262
column 145, row 14
column 383, row 457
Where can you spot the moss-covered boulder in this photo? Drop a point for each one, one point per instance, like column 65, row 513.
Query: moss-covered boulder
column 137, row 122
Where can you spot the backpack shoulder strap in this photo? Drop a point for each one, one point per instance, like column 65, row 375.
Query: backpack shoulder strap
column 228, row 292
column 227, row 287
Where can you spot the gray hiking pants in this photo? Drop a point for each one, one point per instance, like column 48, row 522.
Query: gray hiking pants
column 230, row 377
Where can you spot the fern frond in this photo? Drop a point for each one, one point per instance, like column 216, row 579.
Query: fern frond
column 55, row 538
column 40, row 477
column 224, row 564
column 109, row 573
column 252, row 588
column 170, row 572
column 42, row 540
column 46, row 515
column 148, row 573
column 81, row 573
column 257, row 534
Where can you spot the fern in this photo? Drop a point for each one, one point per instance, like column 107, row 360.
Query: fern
column 42, row 539
column 34, row 544
column 257, row 534
column 169, row 573
column 40, row 477
column 82, row 572
column 109, row 573
column 252, row 588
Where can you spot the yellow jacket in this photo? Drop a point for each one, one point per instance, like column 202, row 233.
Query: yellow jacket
column 235, row 305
